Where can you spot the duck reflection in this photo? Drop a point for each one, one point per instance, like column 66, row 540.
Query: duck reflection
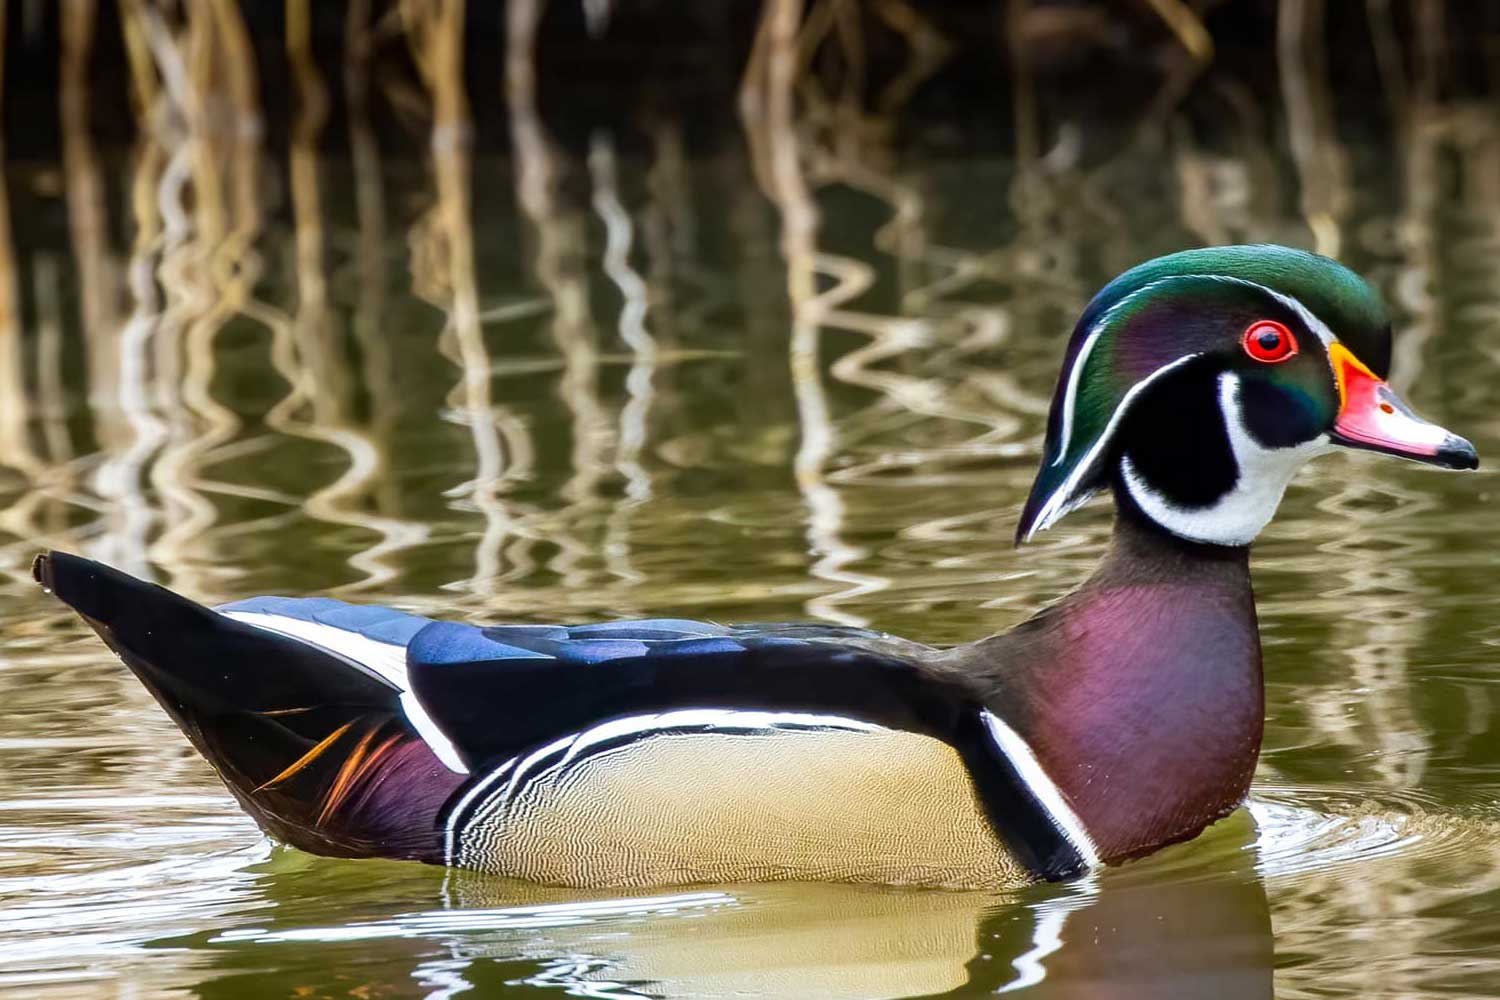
column 1192, row 923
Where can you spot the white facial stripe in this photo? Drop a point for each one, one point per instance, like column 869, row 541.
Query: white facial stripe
column 1311, row 321
column 1041, row 786
column 1240, row 514
column 570, row 746
column 383, row 660
column 1070, row 395
column 1063, row 499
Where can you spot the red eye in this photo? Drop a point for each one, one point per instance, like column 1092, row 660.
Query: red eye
column 1269, row 341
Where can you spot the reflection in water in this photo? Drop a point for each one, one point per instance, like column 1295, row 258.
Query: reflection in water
column 767, row 101
column 1205, row 906
column 307, row 351
column 635, row 415
column 1100, row 939
column 640, row 372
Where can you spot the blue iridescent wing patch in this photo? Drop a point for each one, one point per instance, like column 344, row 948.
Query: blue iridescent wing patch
column 375, row 623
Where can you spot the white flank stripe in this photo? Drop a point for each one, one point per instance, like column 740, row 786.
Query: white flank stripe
column 716, row 718
column 532, row 759
column 711, row 718
column 450, row 834
column 1047, row 793
column 384, row 660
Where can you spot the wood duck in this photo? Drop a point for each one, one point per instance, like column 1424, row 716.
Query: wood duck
column 1126, row 717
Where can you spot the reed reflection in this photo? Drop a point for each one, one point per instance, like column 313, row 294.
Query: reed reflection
column 801, row 373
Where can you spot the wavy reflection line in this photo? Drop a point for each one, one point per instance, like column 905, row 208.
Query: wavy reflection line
column 928, row 50
column 933, row 347
column 1051, row 918
column 667, row 230
column 1417, row 241
column 51, row 397
column 185, row 512
column 930, row 395
column 1473, row 257
column 635, row 414
column 19, row 517
column 443, row 978
column 685, row 292
column 768, row 110
column 1321, row 909
column 16, row 451
column 207, row 78
column 395, row 533
column 15, row 440
column 619, row 236
column 436, row 34
column 118, row 480
column 303, row 347
column 227, row 211
column 558, row 265
column 96, row 273
column 1382, row 620
column 901, row 398
column 1302, row 61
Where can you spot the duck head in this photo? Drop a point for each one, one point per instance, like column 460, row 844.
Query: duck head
column 1197, row 384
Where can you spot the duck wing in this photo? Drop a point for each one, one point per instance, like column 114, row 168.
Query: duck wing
column 497, row 690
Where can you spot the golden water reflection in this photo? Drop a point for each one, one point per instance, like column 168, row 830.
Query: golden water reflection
column 804, row 375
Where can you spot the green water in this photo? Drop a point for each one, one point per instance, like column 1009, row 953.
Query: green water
column 643, row 384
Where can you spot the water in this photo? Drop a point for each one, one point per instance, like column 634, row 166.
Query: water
column 586, row 383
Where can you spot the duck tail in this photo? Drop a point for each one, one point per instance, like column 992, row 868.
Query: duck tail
column 314, row 746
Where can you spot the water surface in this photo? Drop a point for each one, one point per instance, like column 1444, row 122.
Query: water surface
column 635, row 378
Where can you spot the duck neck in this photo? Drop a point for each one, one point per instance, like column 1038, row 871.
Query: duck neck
column 1141, row 549
column 1141, row 692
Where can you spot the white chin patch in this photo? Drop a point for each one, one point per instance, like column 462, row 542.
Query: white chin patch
column 1239, row 515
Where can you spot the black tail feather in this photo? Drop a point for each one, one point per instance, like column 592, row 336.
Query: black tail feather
column 299, row 734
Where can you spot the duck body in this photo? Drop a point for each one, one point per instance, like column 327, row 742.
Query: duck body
column 1126, row 717
column 648, row 752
